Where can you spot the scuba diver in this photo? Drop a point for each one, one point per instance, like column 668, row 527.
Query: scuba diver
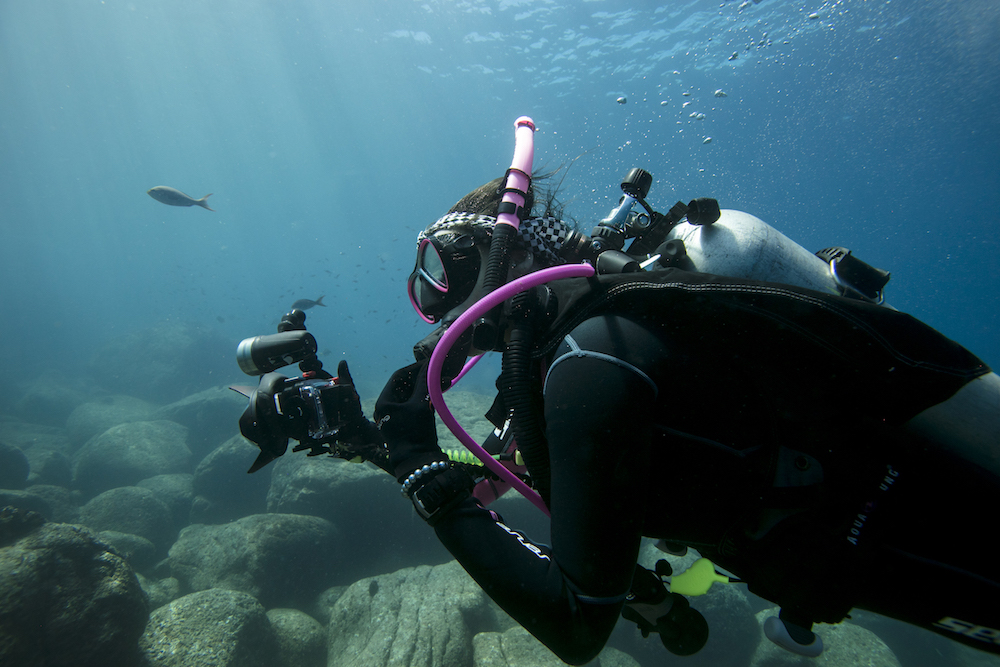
column 824, row 448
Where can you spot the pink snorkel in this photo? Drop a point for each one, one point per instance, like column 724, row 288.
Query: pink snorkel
column 519, row 174
column 508, row 220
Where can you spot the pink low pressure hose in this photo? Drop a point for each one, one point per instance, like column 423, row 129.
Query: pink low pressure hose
column 466, row 320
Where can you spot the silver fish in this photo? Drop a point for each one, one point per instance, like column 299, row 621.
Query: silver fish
column 172, row 197
column 306, row 304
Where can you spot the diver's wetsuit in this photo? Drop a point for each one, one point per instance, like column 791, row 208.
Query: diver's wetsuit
column 777, row 455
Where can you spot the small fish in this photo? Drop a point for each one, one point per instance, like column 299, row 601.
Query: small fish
column 721, row 93
column 707, row 140
column 172, row 197
column 306, row 304
column 622, row 100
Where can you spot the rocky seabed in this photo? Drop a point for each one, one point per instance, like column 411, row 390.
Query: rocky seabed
column 131, row 534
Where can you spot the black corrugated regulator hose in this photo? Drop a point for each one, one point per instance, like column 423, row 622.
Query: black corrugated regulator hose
column 523, row 396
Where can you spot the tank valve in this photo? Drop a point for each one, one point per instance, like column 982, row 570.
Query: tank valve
column 703, row 211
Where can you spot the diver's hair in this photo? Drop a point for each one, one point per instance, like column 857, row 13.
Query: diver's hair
column 485, row 199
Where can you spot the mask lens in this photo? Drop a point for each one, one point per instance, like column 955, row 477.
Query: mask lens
column 432, row 267
column 429, row 284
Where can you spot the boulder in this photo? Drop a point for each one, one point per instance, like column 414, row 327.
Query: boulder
column 433, row 616
column 166, row 362
column 159, row 591
column 211, row 416
column 844, row 645
column 28, row 502
column 49, row 466
column 223, row 489
column 211, row 628
column 418, row 616
column 175, row 491
column 45, row 447
column 127, row 453
column 66, row 600
column 64, row 504
column 365, row 505
column 301, row 640
column 50, row 398
column 516, row 647
column 14, row 467
column 137, row 551
column 324, row 604
column 97, row 416
column 130, row 509
column 280, row 559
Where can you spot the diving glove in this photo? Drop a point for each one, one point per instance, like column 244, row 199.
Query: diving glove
column 357, row 438
column 649, row 605
column 405, row 418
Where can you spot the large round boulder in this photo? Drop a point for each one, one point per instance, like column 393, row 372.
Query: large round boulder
column 130, row 509
column 66, row 600
column 429, row 614
column 50, row 397
column 176, row 492
column 211, row 416
column 280, row 559
column 223, row 489
column 361, row 501
column 211, row 628
column 97, row 416
column 301, row 639
column 127, row 453
column 45, row 446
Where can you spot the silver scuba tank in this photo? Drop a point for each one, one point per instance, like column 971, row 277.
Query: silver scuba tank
column 741, row 245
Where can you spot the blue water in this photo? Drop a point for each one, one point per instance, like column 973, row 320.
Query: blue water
column 331, row 132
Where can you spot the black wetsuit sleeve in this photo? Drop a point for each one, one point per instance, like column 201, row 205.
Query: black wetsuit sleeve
column 569, row 596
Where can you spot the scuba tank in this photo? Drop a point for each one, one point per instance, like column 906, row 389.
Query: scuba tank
column 740, row 245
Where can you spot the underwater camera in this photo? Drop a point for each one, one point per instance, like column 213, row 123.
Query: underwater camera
column 309, row 408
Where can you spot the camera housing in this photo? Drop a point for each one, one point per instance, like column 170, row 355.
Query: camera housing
column 310, row 408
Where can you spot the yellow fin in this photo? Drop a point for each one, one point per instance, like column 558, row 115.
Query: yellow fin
column 697, row 579
column 356, row 459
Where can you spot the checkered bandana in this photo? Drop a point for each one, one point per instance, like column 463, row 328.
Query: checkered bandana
column 543, row 237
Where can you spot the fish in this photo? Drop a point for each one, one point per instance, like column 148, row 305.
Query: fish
column 721, row 93
column 622, row 100
column 707, row 140
column 172, row 197
column 306, row 304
